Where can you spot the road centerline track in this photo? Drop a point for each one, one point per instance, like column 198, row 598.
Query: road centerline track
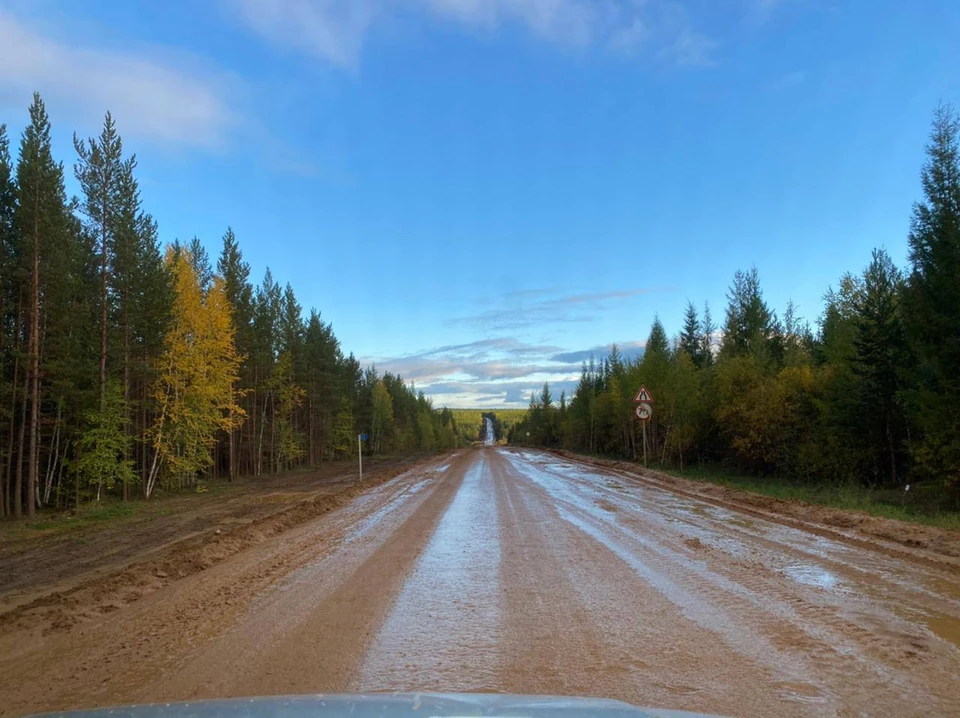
column 444, row 631
column 516, row 571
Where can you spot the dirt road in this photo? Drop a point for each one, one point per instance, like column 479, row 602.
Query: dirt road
column 512, row 571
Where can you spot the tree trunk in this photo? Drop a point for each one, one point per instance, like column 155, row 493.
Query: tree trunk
column 8, row 496
column 103, row 309
column 18, row 485
column 54, row 460
column 231, row 468
column 273, row 433
column 126, row 398
column 891, row 446
column 34, row 346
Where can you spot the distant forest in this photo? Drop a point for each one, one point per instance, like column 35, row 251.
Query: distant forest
column 130, row 367
column 471, row 422
column 870, row 396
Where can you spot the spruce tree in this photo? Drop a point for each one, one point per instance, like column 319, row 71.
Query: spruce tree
column 932, row 301
column 749, row 325
column 690, row 335
column 707, row 330
column 881, row 363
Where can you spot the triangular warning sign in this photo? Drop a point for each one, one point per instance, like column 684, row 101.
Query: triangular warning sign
column 643, row 396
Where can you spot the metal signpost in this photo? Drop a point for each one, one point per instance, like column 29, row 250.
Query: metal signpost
column 360, row 439
column 644, row 413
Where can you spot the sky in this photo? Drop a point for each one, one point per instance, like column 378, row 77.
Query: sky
column 480, row 194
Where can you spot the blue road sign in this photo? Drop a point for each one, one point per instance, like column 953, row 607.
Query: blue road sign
column 363, row 437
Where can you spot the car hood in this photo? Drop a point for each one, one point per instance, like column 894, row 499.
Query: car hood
column 388, row 705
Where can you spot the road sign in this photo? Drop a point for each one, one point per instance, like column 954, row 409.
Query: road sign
column 644, row 411
column 363, row 437
column 643, row 396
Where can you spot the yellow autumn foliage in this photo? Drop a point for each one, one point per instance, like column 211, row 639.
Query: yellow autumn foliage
column 196, row 385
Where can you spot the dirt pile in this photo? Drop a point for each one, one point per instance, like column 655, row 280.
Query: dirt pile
column 99, row 595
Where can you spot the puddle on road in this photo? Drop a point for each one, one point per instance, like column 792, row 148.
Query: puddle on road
column 442, row 632
column 800, row 692
column 362, row 527
column 808, row 575
column 943, row 626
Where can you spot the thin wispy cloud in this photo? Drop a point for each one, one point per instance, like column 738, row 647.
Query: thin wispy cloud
column 151, row 97
column 628, row 350
column 690, row 49
column 336, row 30
column 329, row 29
column 534, row 308
column 509, row 395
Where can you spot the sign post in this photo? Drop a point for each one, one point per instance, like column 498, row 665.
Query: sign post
column 644, row 413
column 360, row 439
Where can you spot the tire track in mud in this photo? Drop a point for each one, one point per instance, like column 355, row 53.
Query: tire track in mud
column 858, row 652
column 540, row 608
column 318, row 646
column 134, row 654
column 639, row 648
column 510, row 571
column 843, row 581
column 444, row 631
column 918, row 543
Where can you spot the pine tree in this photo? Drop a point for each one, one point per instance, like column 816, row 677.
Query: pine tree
column 99, row 171
column 932, row 301
column 42, row 221
column 9, row 291
column 381, row 416
column 236, row 283
column 322, row 361
column 201, row 263
column 343, row 429
column 289, row 397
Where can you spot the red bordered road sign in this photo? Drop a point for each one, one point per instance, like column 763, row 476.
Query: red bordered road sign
column 643, row 396
column 644, row 411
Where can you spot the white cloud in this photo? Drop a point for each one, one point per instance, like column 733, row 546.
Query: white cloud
column 566, row 21
column 495, row 372
column 330, row 29
column 335, row 29
column 690, row 49
column 150, row 99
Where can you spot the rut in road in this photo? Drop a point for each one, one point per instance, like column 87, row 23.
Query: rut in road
column 516, row 571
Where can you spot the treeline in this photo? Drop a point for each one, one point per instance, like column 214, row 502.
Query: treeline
column 870, row 395
column 472, row 427
column 125, row 364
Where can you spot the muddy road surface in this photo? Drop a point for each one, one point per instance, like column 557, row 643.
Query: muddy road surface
column 521, row 572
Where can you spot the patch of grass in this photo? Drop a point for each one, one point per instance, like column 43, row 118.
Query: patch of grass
column 87, row 515
column 921, row 505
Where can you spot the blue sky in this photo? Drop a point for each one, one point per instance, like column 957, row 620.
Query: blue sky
column 478, row 193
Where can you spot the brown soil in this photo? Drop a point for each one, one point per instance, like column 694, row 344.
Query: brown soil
column 926, row 542
column 522, row 572
column 53, row 582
